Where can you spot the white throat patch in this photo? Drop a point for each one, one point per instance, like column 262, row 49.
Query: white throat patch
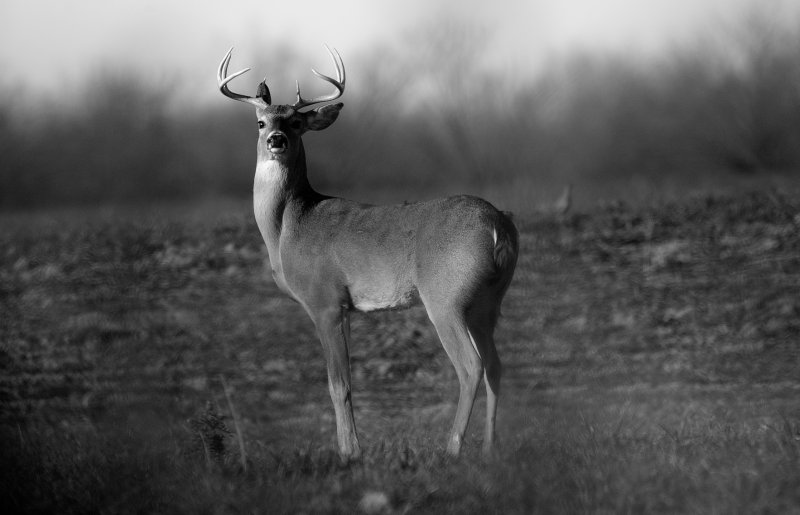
column 269, row 170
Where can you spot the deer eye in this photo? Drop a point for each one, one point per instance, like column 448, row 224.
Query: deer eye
column 296, row 125
column 261, row 124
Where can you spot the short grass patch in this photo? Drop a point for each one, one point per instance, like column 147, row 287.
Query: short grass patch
column 650, row 355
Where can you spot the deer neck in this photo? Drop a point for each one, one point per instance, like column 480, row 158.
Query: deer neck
column 280, row 192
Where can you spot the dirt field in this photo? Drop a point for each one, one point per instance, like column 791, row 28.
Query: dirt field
column 651, row 364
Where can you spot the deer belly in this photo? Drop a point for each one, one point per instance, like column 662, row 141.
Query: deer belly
column 382, row 293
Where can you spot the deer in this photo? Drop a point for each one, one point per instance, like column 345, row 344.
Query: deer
column 334, row 256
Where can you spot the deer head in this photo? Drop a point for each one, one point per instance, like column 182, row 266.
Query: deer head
column 281, row 126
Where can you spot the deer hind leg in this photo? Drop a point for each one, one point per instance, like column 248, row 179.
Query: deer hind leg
column 333, row 328
column 455, row 337
column 481, row 327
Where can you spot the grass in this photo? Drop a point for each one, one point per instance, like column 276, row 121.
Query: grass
column 651, row 366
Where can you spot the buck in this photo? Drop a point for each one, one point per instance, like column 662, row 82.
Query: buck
column 334, row 256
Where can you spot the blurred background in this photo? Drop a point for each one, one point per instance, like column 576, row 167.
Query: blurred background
column 105, row 103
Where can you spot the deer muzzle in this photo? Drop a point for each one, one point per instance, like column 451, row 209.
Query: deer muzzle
column 277, row 142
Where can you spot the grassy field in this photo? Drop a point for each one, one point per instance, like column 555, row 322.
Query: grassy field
column 651, row 359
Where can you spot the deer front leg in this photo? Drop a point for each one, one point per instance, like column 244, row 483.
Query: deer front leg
column 333, row 328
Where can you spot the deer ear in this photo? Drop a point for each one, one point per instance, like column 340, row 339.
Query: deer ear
column 263, row 92
column 322, row 117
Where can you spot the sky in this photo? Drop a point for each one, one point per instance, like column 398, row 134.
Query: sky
column 46, row 45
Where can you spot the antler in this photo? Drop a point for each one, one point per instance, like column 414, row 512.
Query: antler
column 223, row 79
column 338, row 84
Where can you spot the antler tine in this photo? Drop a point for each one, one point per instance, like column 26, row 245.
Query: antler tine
column 337, row 62
column 223, row 79
column 338, row 84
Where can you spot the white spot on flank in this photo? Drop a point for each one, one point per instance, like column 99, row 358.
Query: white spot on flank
column 367, row 305
column 494, row 235
column 376, row 301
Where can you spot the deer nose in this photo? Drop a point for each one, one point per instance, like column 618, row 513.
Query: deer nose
column 277, row 142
